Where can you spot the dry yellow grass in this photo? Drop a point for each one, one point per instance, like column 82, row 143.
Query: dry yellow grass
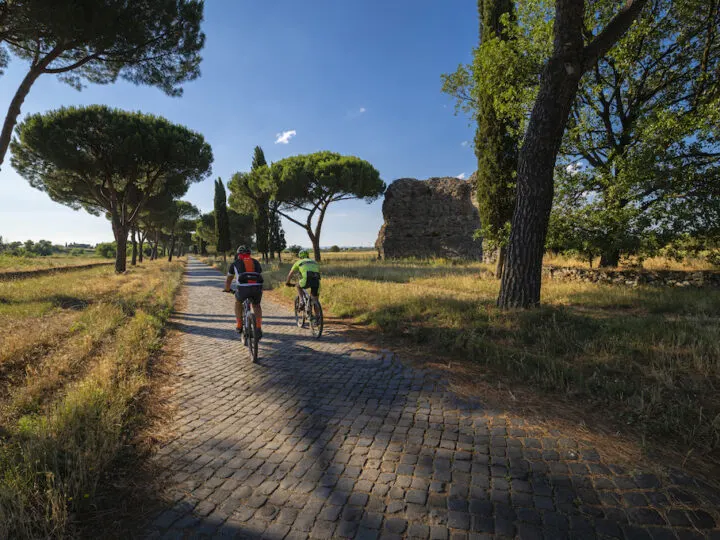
column 649, row 357
column 70, row 390
column 10, row 263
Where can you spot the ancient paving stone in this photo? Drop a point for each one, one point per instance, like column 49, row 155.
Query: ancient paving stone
column 325, row 438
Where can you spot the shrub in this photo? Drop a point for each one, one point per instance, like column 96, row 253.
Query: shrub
column 106, row 250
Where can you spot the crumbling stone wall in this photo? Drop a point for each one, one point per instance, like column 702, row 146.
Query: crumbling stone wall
column 429, row 218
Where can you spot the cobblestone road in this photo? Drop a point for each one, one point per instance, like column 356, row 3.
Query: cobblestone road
column 323, row 439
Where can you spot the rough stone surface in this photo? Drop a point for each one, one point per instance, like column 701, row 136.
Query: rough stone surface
column 633, row 278
column 429, row 218
column 325, row 439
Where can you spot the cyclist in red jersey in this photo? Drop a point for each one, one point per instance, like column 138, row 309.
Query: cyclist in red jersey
column 248, row 274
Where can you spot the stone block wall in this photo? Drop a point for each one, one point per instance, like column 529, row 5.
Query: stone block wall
column 429, row 218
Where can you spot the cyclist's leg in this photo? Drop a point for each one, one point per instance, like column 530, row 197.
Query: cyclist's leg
column 257, row 307
column 238, row 312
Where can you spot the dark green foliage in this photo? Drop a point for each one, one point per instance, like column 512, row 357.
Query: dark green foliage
column 310, row 183
column 222, row 222
column 154, row 42
column 258, row 159
column 106, row 250
column 334, row 249
column 250, row 194
column 277, row 242
column 109, row 161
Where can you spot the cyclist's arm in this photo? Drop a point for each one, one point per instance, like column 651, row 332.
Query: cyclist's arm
column 291, row 272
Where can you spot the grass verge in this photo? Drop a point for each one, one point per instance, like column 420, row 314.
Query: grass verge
column 648, row 359
column 70, row 408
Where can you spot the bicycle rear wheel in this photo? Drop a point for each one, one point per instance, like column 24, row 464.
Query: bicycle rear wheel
column 299, row 313
column 252, row 342
column 316, row 318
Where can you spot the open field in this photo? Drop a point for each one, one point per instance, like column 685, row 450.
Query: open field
column 73, row 356
column 649, row 359
column 9, row 263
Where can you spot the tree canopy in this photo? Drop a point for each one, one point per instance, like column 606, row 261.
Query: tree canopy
column 108, row 160
column 308, row 184
column 154, row 42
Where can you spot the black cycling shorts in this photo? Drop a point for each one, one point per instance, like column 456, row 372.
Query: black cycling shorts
column 254, row 293
column 313, row 283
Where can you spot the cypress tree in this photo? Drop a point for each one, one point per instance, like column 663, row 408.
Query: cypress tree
column 222, row 223
column 495, row 147
column 263, row 217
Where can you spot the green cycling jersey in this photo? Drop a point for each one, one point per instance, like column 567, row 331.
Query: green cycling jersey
column 304, row 266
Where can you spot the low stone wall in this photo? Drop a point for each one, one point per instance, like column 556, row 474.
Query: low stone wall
column 633, row 278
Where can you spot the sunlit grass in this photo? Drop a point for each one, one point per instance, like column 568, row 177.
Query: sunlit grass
column 649, row 356
column 10, row 263
column 69, row 390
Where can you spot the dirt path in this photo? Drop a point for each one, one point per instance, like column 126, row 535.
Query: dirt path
column 328, row 439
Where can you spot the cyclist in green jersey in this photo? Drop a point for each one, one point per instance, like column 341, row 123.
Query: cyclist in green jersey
column 309, row 271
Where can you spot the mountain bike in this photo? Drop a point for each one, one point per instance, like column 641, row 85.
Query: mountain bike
column 308, row 309
column 249, row 328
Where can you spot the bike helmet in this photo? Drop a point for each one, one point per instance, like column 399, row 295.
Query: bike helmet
column 243, row 250
column 304, row 254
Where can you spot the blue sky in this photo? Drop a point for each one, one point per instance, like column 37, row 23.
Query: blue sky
column 359, row 78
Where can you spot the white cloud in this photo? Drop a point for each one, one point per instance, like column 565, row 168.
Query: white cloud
column 461, row 176
column 362, row 110
column 465, row 144
column 285, row 136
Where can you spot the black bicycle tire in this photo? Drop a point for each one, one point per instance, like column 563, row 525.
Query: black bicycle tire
column 317, row 328
column 300, row 322
column 253, row 341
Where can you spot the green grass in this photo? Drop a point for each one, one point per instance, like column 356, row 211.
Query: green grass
column 649, row 357
column 72, row 368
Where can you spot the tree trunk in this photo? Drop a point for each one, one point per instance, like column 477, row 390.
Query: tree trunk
column 140, row 249
column 558, row 86
column 535, row 186
column 316, row 248
column 500, row 262
column 121, row 233
column 172, row 248
column 14, row 109
column 133, row 261
column 610, row 258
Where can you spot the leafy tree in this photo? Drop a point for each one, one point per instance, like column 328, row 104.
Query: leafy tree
column 250, row 195
column 178, row 218
column 222, row 222
column 205, row 231
column 242, row 227
column 156, row 43
column 570, row 59
column 644, row 123
column 277, row 241
column 310, row 183
column 334, row 249
column 107, row 160
column 107, row 250
column 295, row 249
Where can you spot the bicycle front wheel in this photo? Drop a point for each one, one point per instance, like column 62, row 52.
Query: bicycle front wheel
column 252, row 342
column 316, row 319
column 299, row 313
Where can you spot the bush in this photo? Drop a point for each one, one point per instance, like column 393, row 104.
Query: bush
column 106, row 250
column 294, row 249
column 334, row 249
column 713, row 257
column 77, row 252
